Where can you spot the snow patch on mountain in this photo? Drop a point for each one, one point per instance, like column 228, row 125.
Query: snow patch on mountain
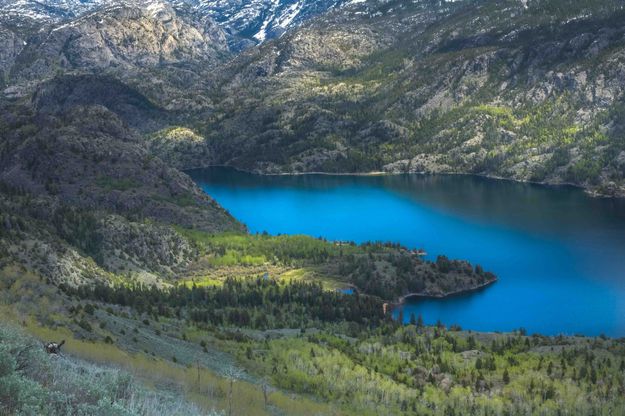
column 245, row 22
column 258, row 20
column 285, row 20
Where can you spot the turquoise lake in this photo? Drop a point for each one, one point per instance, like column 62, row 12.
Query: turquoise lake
column 559, row 254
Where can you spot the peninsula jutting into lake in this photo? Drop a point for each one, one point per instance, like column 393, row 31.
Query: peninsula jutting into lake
column 547, row 245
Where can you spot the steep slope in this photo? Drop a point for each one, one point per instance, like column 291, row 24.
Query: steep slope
column 11, row 44
column 142, row 45
column 34, row 383
column 61, row 94
column 86, row 157
column 523, row 90
column 30, row 12
column 82, row 198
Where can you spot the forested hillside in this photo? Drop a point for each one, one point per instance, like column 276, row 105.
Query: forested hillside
column 526, row 90
column 522, row 90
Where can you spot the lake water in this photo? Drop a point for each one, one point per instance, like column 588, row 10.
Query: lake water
column 559, row 254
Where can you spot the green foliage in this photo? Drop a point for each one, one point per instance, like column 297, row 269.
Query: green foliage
column 585, row 170
column 181, row 200
column 386, row 270
column 407, row 370
column 234, row 249
column 79, row 228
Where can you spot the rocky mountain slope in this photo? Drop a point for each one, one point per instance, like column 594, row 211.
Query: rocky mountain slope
column 83, row 199
column 246, row 23
column 522, row 90
column 130, row 40
column 251, row 22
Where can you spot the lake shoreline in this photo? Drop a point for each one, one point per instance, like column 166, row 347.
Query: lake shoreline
column 402, row 299
column 419, row 295
column 587, row 191
column 532, row 237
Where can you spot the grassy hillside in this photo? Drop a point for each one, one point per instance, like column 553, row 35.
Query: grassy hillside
column 31, row 382
column 329, row 357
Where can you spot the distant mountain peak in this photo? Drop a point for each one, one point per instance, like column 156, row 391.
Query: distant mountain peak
column 255, row 21
column 246, row 22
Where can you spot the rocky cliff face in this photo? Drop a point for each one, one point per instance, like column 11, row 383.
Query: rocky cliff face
column 11, row 46
column 245, row 23
column 121, row 37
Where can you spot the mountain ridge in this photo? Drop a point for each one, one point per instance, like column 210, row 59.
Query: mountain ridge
column 245, row 23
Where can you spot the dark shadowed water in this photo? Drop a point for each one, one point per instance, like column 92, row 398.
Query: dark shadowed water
column 559, row 254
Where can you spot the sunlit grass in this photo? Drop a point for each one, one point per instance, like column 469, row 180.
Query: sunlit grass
column 308, row 274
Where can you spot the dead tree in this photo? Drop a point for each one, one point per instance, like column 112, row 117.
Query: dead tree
column 232, row 374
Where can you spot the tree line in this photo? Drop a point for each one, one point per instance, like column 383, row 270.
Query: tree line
column 253, row 303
